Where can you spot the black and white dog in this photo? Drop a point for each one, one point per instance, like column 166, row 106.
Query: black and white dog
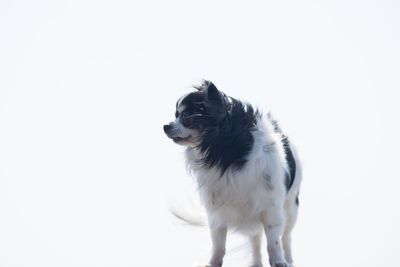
column 247, row 171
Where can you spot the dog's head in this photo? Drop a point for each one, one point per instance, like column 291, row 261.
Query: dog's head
column 197, row 112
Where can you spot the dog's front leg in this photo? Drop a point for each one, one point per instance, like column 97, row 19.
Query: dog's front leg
column 218, row 238
column 273, row 222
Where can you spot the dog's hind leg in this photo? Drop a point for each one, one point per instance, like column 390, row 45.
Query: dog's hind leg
column 274, row 221
column 291, row 208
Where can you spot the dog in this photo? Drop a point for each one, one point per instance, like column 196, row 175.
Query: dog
column 247, row 171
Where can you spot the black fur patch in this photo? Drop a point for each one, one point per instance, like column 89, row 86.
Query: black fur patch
column 225, row 125
column 290, row 161
column 289, row 180
column 229, row 142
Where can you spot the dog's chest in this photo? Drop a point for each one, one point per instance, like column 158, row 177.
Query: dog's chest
column 231, row 202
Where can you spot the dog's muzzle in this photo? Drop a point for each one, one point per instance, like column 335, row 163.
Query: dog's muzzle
column 167, row 128
column 172, row 133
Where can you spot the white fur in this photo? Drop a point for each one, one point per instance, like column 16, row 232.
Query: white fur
column 251, row 199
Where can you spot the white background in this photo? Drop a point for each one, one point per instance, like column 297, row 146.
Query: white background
column 87, row 175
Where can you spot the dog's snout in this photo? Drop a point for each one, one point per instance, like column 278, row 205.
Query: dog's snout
column 167, row 128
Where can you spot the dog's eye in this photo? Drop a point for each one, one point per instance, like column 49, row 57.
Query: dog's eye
column 186, row 119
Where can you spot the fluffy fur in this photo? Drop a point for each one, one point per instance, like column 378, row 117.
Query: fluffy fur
column 247, row 171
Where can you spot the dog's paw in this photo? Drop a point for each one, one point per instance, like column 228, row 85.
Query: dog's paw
column 281, row 264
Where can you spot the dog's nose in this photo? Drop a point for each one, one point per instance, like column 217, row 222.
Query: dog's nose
column 167, row 127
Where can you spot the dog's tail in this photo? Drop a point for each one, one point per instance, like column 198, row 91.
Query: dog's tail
column 197, row 218
column 190, row 218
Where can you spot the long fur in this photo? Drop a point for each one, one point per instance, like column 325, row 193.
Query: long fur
column 247, row 170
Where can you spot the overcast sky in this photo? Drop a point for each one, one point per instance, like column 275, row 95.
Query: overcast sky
column 87, row 175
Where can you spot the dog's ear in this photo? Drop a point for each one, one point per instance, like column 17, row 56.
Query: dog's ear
column 215, row 100
column 213, row 95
